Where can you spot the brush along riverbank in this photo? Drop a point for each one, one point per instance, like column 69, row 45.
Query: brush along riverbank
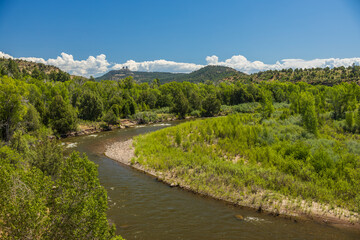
column 273, row 166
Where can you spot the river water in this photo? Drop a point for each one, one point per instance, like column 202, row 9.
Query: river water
column 143, row 208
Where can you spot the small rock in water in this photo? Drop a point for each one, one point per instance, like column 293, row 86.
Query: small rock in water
column 173, row 184
column 239, row 217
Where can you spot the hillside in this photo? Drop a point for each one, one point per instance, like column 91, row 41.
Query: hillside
column 324, row 76
column 18, row 68
column 138, row 76
column 211, row 73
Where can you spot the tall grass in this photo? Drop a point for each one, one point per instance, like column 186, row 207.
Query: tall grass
column 240, row 153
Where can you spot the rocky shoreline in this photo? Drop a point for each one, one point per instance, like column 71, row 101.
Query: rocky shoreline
column 123, row 152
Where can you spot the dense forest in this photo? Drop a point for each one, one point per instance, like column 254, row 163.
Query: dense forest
column 296, row 139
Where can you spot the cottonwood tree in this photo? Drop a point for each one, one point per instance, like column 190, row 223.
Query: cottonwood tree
column 62, row 117
column 12, row 109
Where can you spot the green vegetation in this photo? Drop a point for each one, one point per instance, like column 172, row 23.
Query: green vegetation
column 325, row 76
column 17, row 68
column 293, row 139
column 304, row 148
column 244, row 154
column 45, row 195
column 208, row 73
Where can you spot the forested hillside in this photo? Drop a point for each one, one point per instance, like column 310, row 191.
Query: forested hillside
column 208, row 73
column 325, row 76
column 18, row 68
column 137, row 75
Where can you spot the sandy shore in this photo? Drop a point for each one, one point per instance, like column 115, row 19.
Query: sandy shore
column 124, row 151
column 121, row 151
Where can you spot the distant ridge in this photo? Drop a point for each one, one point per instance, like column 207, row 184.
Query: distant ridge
column 138, row 76
column 208, row 73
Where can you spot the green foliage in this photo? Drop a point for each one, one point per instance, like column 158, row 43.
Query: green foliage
column 245, row 153
column 79, row 202
column 91, row 107
column 32, row 120
column 24, row 194
column 181, row 105
column 11, row 108
column 350, row 121
column 145, row 117
column 62, row 116
column 266, row 104
column 111, row 118
column 44, row 195
column 212, row 73
column 324, row 76
column 211, row 106
column 308, row 113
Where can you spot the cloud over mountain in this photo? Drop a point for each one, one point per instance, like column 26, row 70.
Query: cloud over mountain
column 159, row 66
column 98, row 65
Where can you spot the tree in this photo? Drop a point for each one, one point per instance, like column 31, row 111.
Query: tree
column 308, row 113
column 111, row 117
column 342, row 98
column 23, row 198
column 32, row 119
column 37, row 74
column 38, row 201
column 267, row 107
column 11, row 108
column 349, row 120
column 211, row 106
column 79, row 202
column 91, row 107
column 13, row 68
column 181, row 104
column 62, row 117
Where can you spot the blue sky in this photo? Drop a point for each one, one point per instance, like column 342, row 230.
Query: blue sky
column 181, row 31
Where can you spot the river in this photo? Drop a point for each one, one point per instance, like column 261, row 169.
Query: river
column 143, row 208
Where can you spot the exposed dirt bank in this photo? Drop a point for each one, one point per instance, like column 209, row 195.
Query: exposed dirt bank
column 279, row 205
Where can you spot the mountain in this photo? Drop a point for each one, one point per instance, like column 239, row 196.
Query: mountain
column 18, row 68
column 138, row 76
column 211, row 73
column 26, row 66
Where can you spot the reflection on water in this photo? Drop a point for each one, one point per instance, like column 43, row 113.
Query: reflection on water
column 143, row 208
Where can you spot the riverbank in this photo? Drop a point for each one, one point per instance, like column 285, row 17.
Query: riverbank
column 96, row 127
column 275, row 204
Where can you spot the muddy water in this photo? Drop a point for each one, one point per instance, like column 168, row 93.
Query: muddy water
column 143, row 208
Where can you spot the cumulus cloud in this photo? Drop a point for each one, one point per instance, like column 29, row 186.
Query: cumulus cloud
column 4, row 55
column 91, row 66
column 212, row 60
column 99, row 65
column 159, row 66
column 242, row 64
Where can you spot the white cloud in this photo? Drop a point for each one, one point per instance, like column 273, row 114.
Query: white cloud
column 159, row 66
column 4, row 55
column 99, row 65
column 240, row 63
column 212, row 60
column 91, row 66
